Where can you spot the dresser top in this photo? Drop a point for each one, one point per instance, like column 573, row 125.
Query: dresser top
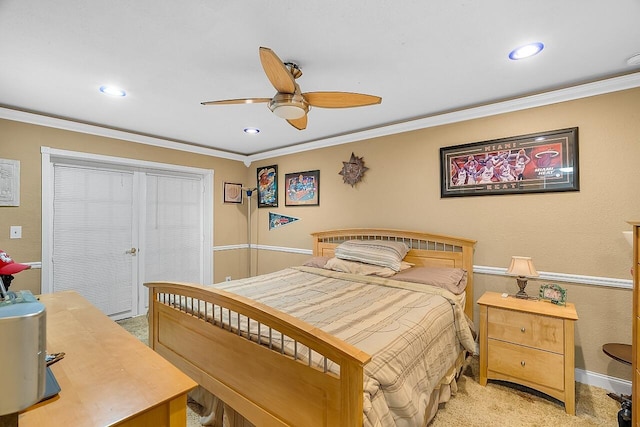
column 545, row 308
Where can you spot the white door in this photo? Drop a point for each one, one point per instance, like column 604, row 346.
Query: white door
column 93, row 237
column 172, row 231
column 110, row 225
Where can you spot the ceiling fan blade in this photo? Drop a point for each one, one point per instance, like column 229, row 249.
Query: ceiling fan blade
column 237, row 101
column 300, row 124
column 340, row 99
column 276, row 71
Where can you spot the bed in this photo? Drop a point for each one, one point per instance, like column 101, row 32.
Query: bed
column 279, row 370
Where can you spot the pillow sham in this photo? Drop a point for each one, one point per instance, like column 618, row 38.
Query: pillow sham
column 354, row 267
column 377, row 252
column 317, row 261
column 452, row 279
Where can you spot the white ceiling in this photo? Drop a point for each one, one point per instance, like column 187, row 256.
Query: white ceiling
column 424, row 58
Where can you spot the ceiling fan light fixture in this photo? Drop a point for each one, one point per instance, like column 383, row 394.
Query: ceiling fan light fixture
column 288, row 106
column 288, row 111
column 526, row 51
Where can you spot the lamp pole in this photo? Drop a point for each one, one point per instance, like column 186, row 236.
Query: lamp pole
column 249, row 192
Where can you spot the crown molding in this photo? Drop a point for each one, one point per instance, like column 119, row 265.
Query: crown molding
column 600, row 87
column 70, row 125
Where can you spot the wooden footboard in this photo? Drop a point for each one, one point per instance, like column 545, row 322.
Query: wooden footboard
column 268, row 386
column 265, row 384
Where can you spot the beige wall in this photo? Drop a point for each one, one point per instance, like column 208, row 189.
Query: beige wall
column 20, row 141
column 574, row 233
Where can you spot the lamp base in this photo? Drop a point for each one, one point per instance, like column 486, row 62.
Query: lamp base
column 522, row 283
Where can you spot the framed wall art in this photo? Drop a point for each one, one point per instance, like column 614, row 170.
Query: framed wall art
column 267, row 186
column 535, row 163
column 9, row 182
column 232, row 192
column 302, row 188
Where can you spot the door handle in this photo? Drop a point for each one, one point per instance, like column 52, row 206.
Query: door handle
column 131, row 251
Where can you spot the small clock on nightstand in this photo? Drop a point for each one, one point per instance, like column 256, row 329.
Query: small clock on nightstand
column 530, row 343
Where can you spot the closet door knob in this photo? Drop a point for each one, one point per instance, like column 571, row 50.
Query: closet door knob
column 522, row 363
column 522, row 329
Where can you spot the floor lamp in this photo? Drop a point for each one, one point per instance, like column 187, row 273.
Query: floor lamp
column 249, row 192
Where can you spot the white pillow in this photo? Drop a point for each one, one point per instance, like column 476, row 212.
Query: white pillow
column 377, row 252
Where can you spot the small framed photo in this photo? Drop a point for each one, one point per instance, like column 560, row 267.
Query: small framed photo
column 232, row 192
column 553, row 293
column 267, row 186
column 302, row 188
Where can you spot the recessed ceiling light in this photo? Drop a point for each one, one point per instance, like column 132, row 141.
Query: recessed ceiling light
column 112, row 90
column 251, row 131
column 526, row 51
column 634, row 60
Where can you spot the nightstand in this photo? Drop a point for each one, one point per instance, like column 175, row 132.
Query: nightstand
column 529, row 342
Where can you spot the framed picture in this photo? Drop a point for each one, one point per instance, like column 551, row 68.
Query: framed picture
column 9, row 182
column 554, row 294
column 232, row 193
column 535, row 163
column 302, row 188
column 267, row 187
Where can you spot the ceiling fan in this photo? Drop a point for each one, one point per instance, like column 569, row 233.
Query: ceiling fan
column 290, row 103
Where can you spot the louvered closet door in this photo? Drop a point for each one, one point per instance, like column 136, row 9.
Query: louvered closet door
column 93, row 235
column 172, row 238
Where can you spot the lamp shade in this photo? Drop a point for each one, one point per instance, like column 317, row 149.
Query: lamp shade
column 522, row 266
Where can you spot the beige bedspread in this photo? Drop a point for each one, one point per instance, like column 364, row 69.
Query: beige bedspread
column 414, row 333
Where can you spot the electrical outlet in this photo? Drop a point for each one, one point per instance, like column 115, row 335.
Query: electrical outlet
column 228, row 278
column 15, row 232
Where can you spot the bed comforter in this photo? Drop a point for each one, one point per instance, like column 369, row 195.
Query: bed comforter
column 413, row 332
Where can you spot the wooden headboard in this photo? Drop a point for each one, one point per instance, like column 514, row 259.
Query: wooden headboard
column 425, row 249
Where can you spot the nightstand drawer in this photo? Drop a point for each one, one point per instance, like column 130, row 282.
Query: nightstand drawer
column 543, row 332
column 528, row 364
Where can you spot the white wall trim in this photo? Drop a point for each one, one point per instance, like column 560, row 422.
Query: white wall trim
column 230, row 247
column 264, row 248
column 612, row 384
column 479, row 269
column 283, row 249
column 563, row 277
column 34, row 264
column 615, row 84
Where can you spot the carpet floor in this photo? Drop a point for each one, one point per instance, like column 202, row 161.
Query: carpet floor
column 497, row 404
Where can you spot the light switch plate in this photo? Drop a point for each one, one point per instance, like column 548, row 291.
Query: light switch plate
column 15, row 232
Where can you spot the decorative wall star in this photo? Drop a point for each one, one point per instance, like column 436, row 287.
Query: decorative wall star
column 353, row 170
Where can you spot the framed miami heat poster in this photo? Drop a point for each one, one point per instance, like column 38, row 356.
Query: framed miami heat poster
column 534, row 163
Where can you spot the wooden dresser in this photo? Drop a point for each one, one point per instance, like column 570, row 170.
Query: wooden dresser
column 635, row 340
column 530, row 343
column 107, row 377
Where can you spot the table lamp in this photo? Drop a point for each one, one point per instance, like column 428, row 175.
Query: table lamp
column 522, row 267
